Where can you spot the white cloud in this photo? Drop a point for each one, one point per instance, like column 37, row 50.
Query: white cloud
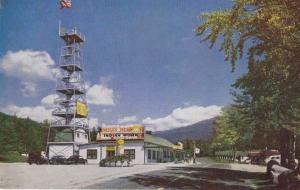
column 127, row 119
column 100, row 94
column 37, row 113
column 28, row 89
column 28, row 64
column 182, row 116
column 93, row 122
column 49, row 100
column 30, row 67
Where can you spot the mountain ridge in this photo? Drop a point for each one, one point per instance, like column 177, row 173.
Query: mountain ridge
column 202, row 130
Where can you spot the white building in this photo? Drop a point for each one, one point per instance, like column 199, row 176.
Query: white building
column 141, row 148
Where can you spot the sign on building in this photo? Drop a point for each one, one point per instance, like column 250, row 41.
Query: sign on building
column 81, row 109
column 134, row 132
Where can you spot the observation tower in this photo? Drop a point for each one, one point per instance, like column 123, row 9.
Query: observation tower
column 70, row 125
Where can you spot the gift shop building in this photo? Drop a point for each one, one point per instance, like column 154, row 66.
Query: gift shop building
column 140, row 146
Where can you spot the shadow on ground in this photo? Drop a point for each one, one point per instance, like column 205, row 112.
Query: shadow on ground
column 193, row 178
column 203, row 178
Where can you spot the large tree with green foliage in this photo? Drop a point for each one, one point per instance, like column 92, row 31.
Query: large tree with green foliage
column 269, row 31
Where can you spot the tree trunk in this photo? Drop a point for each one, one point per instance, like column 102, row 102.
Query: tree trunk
column 298, row 152
column 292, row 147
column 287, row 148
column 284, row 139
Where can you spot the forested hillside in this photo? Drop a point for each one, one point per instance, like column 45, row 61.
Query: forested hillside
column 202, row 130
column 18, row 136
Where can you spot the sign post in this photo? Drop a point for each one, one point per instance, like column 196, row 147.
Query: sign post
column 120, row 143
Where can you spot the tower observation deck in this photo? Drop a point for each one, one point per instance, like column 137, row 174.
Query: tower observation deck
column 70, row 125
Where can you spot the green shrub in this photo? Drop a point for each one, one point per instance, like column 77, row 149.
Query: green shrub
column 12, row 156
column 122, row 158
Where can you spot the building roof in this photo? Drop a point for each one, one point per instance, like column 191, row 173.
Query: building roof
column 158, row 141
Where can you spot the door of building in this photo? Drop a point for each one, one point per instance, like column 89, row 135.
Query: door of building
column 110, row 153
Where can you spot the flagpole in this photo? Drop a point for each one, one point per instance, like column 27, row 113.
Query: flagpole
column 59, row 25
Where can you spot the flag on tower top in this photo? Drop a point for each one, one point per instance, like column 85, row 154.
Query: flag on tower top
column 65, row 4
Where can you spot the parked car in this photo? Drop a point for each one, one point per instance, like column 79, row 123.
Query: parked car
column 36, row 158
column 75, row 159
column 273, row 157
column 59, row 159
column 245, row 160
column 277, row 159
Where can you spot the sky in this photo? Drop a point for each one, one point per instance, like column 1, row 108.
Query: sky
column 143, row 62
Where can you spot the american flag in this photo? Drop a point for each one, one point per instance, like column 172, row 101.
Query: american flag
column 65, row 4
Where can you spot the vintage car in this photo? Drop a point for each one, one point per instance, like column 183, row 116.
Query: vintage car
column 59, row 159
column 75, row 159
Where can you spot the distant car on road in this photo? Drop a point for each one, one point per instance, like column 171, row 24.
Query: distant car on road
column 245, row 160
column 75, row 159
column 59, row 159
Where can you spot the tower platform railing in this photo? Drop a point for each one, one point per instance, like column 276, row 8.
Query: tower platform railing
column 77, row 124
column 70, row 50
column 69, row 112
column 72, row 101
column 76, row 86
column 71, row 36
column 64, row 111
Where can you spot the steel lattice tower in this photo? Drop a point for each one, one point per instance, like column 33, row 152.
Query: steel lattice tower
column 70, row 126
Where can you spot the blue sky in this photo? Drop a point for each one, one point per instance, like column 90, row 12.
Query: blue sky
column 141, row 53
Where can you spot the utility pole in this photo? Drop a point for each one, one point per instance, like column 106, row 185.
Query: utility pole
column 194, row 156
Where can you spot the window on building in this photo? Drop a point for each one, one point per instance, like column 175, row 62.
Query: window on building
column 153, row 155
column 165, row 154
column 77, row 134
column 130, row 153
column 85, row 136
column 91, row 154
column 149, row 154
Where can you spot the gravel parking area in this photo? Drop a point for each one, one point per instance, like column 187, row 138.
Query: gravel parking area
column 22, row 175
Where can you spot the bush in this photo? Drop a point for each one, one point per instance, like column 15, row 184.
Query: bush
column 115, row 159
column 12, row 156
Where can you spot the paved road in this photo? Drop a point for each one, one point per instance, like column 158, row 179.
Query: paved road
column 204, row 175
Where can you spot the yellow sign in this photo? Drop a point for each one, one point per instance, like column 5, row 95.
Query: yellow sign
column 133, row 132
column 110, row 148
column 178, row 146
column 120, row 141
column 81, row 109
